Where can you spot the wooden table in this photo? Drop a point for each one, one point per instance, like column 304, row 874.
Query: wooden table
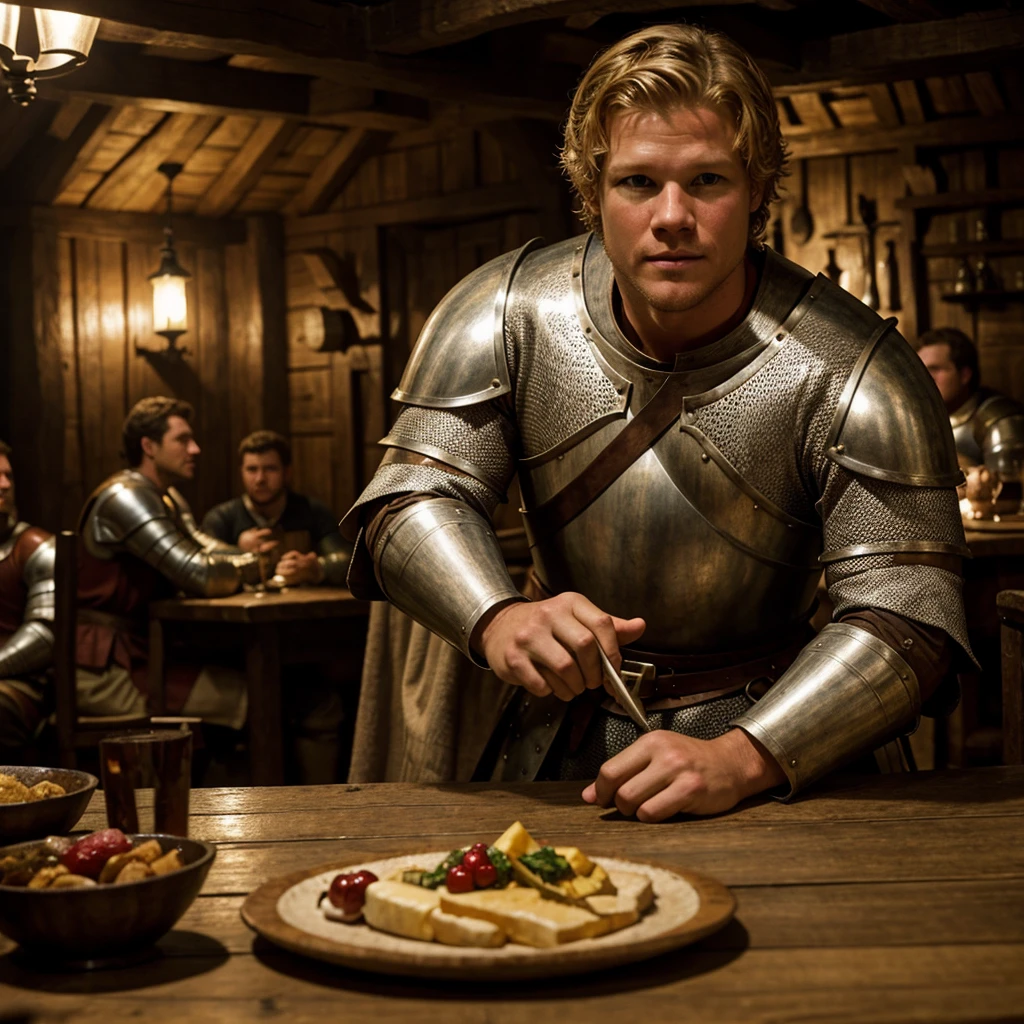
column 895, row 898
column 299, row 625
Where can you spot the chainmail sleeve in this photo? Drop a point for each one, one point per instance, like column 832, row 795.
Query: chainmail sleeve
column 894, row 547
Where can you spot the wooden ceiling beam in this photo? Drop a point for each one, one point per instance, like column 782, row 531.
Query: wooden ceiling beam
column 336, row 170
column 48, row 162
column 259, row 151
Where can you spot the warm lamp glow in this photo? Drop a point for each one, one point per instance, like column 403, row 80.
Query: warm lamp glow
column 63, row 38
column 170, row 306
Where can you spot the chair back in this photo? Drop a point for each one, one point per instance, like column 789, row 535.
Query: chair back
column 65, row 629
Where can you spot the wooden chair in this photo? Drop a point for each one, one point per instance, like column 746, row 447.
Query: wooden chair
column 1010, row 606
column 74, row 731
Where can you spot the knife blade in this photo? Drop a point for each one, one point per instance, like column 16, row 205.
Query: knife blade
column 632, row 707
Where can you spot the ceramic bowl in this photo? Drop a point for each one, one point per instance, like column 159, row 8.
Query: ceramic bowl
column 54, row 816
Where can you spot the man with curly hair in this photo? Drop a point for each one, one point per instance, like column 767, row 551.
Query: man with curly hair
column 698, row 426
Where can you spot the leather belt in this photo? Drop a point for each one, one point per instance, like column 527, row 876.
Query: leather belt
column 655, row 675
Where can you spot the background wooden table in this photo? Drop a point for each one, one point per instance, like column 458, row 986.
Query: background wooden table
column 898, row 898
column 300, row 625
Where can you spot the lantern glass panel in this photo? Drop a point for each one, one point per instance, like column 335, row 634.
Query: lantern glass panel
column 10, row 18
column 64, row 39
column 170, row 305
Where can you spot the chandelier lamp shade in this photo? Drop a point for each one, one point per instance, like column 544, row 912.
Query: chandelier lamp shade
column 48, row 45
column 170, row 298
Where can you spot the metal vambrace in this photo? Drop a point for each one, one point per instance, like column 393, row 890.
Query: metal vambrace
column 28, row 650
column 440, row 563
column 846, row 693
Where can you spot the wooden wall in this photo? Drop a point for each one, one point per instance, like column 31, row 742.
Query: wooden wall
column 96, row 283
column 407, row 250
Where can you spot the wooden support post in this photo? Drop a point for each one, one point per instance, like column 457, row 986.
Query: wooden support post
column 1013, row 695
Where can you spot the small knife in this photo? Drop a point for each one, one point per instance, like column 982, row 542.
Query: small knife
column 622, row 695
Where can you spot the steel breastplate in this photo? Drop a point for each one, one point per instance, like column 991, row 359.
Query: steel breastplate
column 680, row 538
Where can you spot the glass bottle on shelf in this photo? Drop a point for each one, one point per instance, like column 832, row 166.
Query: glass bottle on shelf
column 832, row 269
column 964, row 282
column 891, row 276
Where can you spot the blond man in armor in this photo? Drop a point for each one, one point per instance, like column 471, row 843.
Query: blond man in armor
column 698, row 426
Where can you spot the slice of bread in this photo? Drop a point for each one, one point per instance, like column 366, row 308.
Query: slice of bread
column 455, row 930
column 525, row 916
column 617, row 911
column 401, row 909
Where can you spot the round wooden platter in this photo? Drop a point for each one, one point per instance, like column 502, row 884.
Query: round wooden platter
column 687, row 907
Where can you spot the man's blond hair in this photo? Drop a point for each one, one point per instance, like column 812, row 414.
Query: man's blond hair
column 656, row 70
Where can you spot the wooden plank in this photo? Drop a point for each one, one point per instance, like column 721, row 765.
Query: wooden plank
column 334, row 103
column 949, row 94
column 73, row 493
column 111, row 386
column 1013, row 695
column 118, row 187
column 212, row 361
column 952, row 132
column 476, row 203
column 245, row 392
column 146, row 227
column 985, row 93
column 150, row 191
column 812, row 111
column 964, row 200
column 259, row 151
column 884, row 105
column 336, row 170
column 88, row 332
column 140, row 260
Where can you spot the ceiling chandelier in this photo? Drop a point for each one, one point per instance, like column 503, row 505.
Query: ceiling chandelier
column 50, row 45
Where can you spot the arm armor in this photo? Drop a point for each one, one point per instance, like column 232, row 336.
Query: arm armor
column 137, row 520
column 440, row 563
column 846, row 693
column 334, row 557
column 30, row 648
column 999, row 431
column 210, row 544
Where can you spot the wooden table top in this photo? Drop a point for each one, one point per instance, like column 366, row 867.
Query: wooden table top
column 994, row 542
column 262, row 606
column 896, row 898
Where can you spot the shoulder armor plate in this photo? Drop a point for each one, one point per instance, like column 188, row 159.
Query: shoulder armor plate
column 12, row 539
column 117, row 508
column 459, row 358
column 39, row 566
column 890, row 423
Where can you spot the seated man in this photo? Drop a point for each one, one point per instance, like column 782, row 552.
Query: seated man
column 307, row 529
column 697, row 425
column 26, row 615
column 140, row 543
column 988, row 427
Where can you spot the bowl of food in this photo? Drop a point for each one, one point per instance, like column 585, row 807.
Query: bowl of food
column 37, row 802
column 103, row 897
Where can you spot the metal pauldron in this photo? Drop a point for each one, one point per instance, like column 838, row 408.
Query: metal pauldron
column 28, row 650
column 334, row 557
column 38, row 577
column 440, row 562
column 846, row 693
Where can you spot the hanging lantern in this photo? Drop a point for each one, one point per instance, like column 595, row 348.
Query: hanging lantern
column 60, row 43
column 170, row 299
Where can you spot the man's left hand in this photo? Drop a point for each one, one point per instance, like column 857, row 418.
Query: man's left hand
column 296, row 569
column 665, row 773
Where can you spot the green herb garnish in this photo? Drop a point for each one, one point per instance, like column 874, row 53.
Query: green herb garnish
column 502, row 866
column 547, row 864
column 435, row 879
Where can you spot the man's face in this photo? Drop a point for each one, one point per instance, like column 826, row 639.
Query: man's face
column 951, row 381
column 175, row 454
column 6, row 486
column 675, row 205
column 263, row 476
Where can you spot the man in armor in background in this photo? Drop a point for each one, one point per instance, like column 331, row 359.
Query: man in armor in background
column 698, row 425
column 988, row 428
column 26, row 618
column 140, row 543
column 313, row 552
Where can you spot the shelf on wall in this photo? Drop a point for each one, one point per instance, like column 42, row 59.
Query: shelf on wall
column 963, row 200
column 992, row 299
column 992, row 247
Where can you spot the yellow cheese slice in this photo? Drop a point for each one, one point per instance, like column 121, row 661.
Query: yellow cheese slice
column 455, row 930
column 525, row 916
column 515, row 841
column 401, row 909
column 617, row 911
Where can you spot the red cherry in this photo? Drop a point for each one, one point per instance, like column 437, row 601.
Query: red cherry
column 479, row 847
column 485, row 875
column 474, row 859
column 459, row 879
column 348, row 892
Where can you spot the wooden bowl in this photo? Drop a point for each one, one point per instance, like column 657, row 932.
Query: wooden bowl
column 85, row 927
column 56, row 815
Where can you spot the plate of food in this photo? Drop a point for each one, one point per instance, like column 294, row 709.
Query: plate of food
column 511, row 908
column 36, row 802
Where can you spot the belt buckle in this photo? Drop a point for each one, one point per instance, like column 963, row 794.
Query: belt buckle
column 635, row 674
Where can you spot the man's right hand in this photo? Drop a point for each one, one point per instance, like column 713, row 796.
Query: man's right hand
column 551, row 646
column 257, row 540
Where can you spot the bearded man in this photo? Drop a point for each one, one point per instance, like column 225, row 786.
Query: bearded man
column 698, row 425
column 26, row 619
